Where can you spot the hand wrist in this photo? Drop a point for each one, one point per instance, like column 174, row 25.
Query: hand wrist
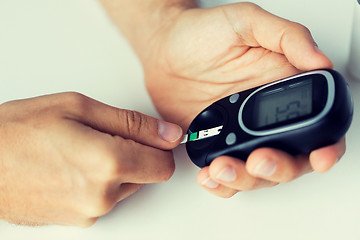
column 140, row 20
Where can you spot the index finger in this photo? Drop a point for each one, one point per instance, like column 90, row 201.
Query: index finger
column 260, row 28
column 121, row 122
column 289, row 38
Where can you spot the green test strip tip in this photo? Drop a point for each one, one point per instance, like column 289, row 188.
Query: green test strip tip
column 193, row 136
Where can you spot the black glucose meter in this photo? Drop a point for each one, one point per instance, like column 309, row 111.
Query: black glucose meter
column 297, row 115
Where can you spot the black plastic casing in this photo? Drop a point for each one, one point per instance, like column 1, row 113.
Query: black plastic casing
column 302, row 140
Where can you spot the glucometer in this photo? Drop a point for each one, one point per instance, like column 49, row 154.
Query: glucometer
column 297, row 114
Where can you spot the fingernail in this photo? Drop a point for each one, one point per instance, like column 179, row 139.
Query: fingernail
column 228, row 174
column 168, row 131
column 209, row 183
column 266, row 168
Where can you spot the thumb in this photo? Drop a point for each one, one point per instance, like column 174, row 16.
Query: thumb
column 127, row 124
column 300, row 49
column 147, row 130
column 289, row 38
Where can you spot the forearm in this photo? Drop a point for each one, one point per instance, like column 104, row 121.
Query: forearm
column 139, row 20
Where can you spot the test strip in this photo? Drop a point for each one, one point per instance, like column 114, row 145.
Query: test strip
column 202, row 134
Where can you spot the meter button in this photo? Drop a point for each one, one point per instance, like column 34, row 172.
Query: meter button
column 230, row 139
column 234, row 98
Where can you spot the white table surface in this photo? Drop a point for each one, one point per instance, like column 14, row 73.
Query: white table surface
column 49, row 46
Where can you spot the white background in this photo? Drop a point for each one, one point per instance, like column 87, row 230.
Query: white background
column 49, row 46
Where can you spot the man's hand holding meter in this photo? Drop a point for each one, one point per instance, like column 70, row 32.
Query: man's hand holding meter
column 193, row 57
column 67, row 159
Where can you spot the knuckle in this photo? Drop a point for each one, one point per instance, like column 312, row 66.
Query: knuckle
column 101, row 160
column 250, row 184
column 299, row 27
column 118, row 165
column 98, row 205
column 118, row 169
column 71, row 97
column 88, row 222
column 135, row 121
column 295, row 168
column 109, row 170
column 290, row 175
column 74, row 100
column 167, row 170
column 228, row 194
column 163, row 165
column 166, row 175
column 121, row 166
column 250, row 6
column 99, row 196
column 110, row 166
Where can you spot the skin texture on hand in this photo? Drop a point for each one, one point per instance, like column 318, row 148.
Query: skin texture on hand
column 207, row 54
column 67, row 159
column 198, row 56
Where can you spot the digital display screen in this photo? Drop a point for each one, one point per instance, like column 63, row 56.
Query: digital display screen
column 283, row 103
